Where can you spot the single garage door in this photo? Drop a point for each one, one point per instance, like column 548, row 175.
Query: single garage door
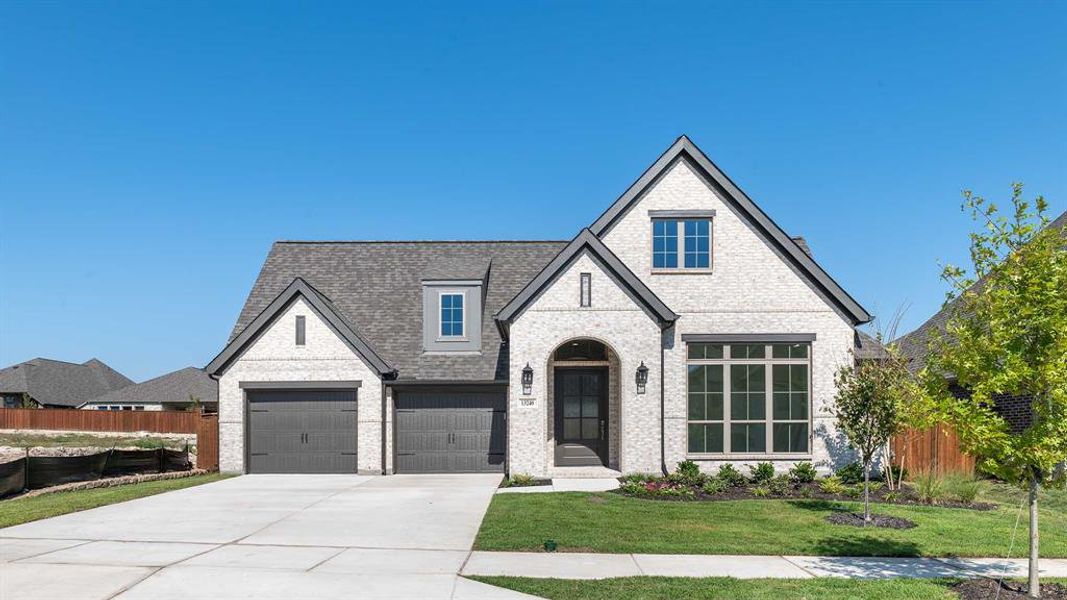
column 301, row 431
column 450, row 431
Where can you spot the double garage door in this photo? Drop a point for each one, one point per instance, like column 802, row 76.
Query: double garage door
column 314, row 431
column 450, row 432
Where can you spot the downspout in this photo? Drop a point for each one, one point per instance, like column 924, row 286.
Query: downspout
column 384, row 404
column 662, row 411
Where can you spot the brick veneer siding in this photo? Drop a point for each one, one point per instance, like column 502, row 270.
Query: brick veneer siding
column 1013, row 408
column 614, row 319
column 750, row 289
column 276, row 357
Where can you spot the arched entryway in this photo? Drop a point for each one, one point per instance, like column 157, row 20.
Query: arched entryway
column 584, row 415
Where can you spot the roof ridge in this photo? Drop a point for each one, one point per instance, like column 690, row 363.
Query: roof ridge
column 421, row 241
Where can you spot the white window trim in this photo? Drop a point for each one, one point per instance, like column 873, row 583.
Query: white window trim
column 440, row 305
column 769, row 362
column 680, row 252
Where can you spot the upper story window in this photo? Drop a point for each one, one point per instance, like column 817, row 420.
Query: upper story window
column 681, row 243
column 451, row 315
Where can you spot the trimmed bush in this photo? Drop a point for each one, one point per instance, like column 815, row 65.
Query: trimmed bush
column 762, row 472
column 831, row 485
column 730, row 476
column 802, row 472
column 714, row 486
column 850, row 474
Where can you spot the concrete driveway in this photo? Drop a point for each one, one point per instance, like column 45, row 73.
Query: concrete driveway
column 260, row 536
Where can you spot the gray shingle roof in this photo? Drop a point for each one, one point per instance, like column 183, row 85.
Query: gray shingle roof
column 377, row 288
column 867, row 347
column 172, row 387
column 59, row 383
column 913, row 345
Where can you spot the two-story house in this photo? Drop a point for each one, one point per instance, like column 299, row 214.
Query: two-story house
column 682, row 323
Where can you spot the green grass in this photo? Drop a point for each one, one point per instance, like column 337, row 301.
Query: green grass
column 606, row 522
column 727, row 588
column 681, row 588
column 84, row 440
column 24, row 510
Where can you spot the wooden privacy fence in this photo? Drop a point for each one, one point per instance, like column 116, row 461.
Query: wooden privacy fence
column 156, row 421
column 935, row 449
column 206, row 427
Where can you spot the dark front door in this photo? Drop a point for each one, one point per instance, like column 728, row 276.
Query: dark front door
column 581, row 410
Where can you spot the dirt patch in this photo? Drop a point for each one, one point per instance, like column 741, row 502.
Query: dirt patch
column 983, row 589
column 109, row 482
column 856, row 520
column 509, row 483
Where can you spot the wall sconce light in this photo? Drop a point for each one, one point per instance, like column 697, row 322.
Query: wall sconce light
column 527, row 379
column 642, row 378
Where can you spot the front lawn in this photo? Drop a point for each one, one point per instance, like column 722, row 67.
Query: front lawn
column 24, row 510
column 725, row 588
column 608, row 522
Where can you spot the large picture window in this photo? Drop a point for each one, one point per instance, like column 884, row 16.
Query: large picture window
column 748, row 399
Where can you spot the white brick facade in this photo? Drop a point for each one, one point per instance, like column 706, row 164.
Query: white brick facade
column 274, row 356
column 749, row 290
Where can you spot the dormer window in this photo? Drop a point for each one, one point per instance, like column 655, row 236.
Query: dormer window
column 451, row 315
column 681, row 240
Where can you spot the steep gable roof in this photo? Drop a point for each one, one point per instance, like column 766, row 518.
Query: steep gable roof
column 174, row 387
column 684, row 149
column 325, row 309
column 377, row 287
column 585, row 241
column 59, row 383
column 913, row 345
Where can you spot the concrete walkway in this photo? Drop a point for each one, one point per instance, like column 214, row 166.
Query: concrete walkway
column 568, row 565
column 560, row 484
column 261, row 536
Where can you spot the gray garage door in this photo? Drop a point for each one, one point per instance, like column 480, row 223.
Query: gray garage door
column 302, row 431
column 450, row 432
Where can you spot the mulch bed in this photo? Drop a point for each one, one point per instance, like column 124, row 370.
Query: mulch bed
column 983, row 589
column 856, row 520
column 812, row 491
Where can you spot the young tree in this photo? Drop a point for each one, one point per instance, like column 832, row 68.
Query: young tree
column 869, row 406
column 1007, row 334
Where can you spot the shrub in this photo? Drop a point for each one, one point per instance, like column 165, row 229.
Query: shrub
column 779, row 486
column 962, row 487
column 714, row 485
column 876, row 485
column 635, row 488
column 831, row 485
column 730, row 476
column 762, row 472
column 688, row 473
column 802, row 472
column 520, row 479
column 893, row 496
column 640, row 477
column 760, row 491
column 850, row 474
column 929, row 486
column 854, row 491
column 674, row 491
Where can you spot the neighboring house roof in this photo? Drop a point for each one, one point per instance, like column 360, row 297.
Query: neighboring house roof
column 58, row 383
column 376, row 289
column 868, row 348
column 913, row 345
column 299, row 288
column 606, row 260
column 795, row 255
column 173, row 387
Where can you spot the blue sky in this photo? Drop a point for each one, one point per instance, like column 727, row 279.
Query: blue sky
column 151, row 152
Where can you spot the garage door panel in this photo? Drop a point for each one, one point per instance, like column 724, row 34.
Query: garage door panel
column 450, row 432
column 302, row 431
